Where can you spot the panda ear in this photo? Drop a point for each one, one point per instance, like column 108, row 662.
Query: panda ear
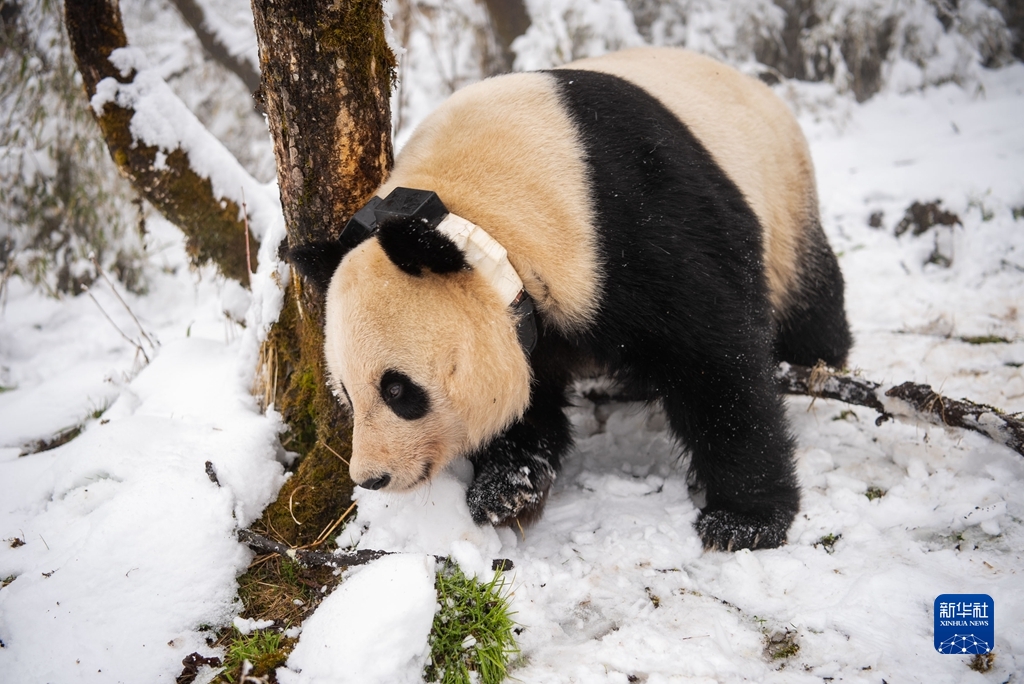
column 317, row 261
column 412, row 246
column 407, row 223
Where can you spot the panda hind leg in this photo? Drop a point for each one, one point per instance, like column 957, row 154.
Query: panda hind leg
column 514, row 472
column 742, row 455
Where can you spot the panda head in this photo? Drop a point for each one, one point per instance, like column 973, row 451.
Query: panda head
column 419, row 342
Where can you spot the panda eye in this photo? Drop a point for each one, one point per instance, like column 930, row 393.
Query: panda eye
column 393, row 391
column 403, row 396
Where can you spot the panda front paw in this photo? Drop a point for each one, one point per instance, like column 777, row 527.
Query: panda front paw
column 510, row 495
column 723, row 530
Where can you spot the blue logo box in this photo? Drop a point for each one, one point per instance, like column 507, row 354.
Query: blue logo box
column 964, row 624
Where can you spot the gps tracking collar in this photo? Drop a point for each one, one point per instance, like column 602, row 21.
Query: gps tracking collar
column 480, row 250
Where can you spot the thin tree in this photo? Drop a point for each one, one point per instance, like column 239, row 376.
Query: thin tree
column 213, row 226
column 326, row 79
column 327, row 74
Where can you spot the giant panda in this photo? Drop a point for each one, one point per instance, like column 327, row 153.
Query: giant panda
column 650, row 214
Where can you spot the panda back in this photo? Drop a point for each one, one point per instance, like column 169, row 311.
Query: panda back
column 529, row 157
column 749, row 132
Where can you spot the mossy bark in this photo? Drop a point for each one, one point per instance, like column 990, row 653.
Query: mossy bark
column 213, row 227
column 327, row 76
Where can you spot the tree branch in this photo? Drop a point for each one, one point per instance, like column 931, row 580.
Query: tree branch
column 908, row 401
column 261, row 544
column 824, row 382
column 195, row 17
column 212, row 224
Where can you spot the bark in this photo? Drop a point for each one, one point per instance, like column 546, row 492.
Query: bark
column 327, row 74
column 327, row 77
column 908, row 401
column 213, row 226
column 194, row 16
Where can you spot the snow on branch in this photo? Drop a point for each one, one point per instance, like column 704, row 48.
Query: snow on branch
column 161, row 147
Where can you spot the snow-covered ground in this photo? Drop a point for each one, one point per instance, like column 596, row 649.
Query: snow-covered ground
column 122, row 549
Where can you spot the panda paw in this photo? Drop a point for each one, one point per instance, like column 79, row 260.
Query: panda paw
column 510, row 495
column 723, row 530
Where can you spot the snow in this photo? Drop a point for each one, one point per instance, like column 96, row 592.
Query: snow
column 129, row 549
column 371, row 630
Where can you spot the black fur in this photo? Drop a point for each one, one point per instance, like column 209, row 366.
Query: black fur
column 684, row 319
column 317, row 261
column 413, row 244
column 403, row 396
column 514, row 472
column 814, row 325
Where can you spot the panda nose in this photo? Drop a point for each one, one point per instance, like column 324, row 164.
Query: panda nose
column 376, row 482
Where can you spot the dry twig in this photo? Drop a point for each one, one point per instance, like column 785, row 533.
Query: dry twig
column 127, row 339
column 261, row 544
column 110, row 283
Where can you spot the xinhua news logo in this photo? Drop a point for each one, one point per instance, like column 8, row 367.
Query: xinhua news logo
column 964, row 624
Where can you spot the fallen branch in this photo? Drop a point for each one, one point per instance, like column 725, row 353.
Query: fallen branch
column 908, row 401
column 822, row 381
column 261, row 544
column 926, row 405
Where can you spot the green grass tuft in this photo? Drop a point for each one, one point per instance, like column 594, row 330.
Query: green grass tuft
column 874, row 493
column 265, row 650
column 781, row 645
column 473, row 631
column 828, row 542
column 984, row 339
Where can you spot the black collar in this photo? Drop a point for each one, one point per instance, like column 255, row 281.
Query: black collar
column 412, row 202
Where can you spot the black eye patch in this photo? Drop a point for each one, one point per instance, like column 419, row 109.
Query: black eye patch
column 403, row 396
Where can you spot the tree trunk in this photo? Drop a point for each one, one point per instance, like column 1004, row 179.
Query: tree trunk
column 327, row 75
column 510, row 20
column 213, row 226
